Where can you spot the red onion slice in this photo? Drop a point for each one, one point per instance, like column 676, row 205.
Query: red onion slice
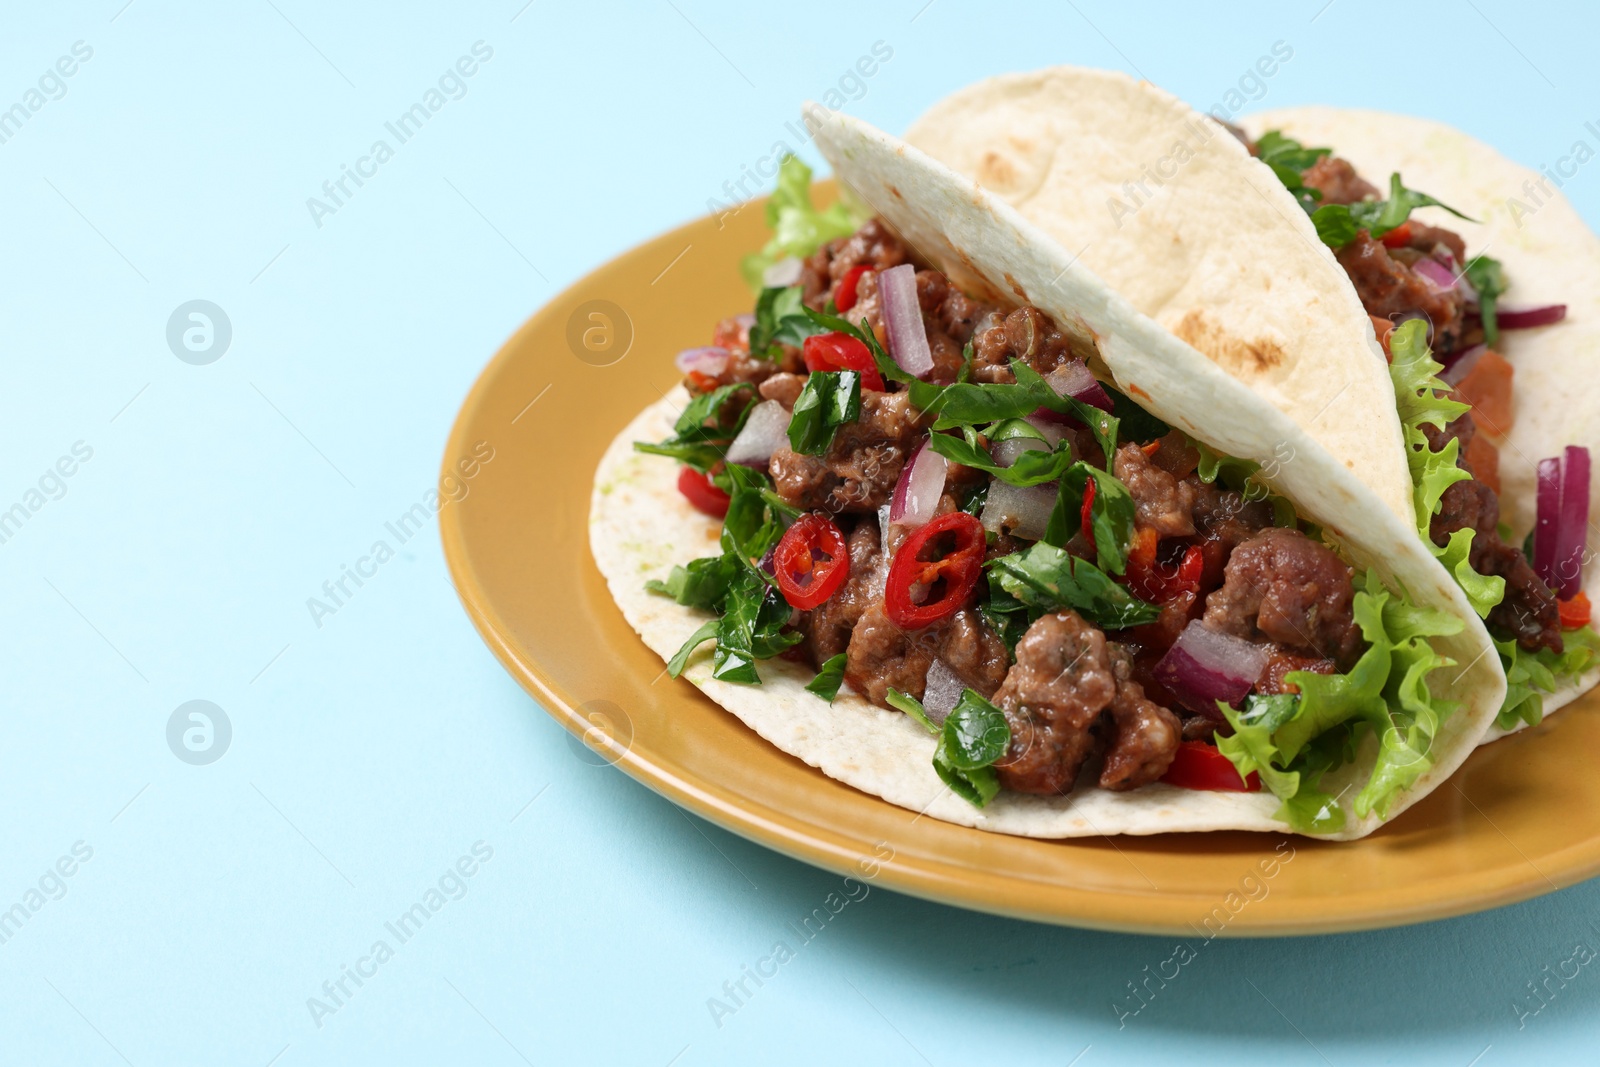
column 1025, row 512
column 1460, row 365
column 781, row 274
column 1437, row 274
column 709, row 360
column 1526, row 318
column 764, row 432
column 1075, row 380
column 942, row 691
column 1204, row 666
column 902, row 315
column 1572, row 530
column 921, row 483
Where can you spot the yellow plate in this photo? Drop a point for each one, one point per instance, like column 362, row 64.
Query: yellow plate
column 1521, row 818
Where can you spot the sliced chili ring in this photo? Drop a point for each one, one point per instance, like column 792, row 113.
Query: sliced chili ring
column 811, row 561
column 844, row 297
column 703, row 493
column 840, row 351
column 944, row 582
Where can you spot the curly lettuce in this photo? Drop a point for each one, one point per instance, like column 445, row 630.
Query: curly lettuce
column 798, row 228
column 1530, row 675
column 1292, row 745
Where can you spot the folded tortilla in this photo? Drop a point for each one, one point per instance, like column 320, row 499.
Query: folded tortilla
column 640, row 526
column 1176, row 215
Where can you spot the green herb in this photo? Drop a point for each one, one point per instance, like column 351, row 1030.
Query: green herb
column 780, row 317
column 709, row 423
column 680, row 659
column 1338, row 224
column 829, row 400
column 700, row 583
column 912, row 707
column 1111, row 515
column 1045, row 578
column 798, row 228
column 975, row 734
column 1489, row 281
column 1288, row 160
column 1033, row 467
column 829, row 677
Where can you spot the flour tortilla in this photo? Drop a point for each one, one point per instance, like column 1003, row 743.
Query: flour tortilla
column 1169, row 209
column 1550, row 257
column 640, row 526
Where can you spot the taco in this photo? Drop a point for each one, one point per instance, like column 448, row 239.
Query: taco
column 949, row 519
column 1408, row 220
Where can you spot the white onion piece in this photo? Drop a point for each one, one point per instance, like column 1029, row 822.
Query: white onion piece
column 1053, row 433
column 921, row 484
column 1204, row 666
column 942, row 691
column 1006, row 452
column 1075, row 380
column 1025, row 512
column 781, row 274
column 902, row 316
column 883, row 531
column 764, row 432
column 709, row 360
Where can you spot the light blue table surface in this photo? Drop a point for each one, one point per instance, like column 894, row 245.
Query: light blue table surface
column 207, row 905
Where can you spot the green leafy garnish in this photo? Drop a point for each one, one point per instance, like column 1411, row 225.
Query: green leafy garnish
column 707, row 426
column 829, row 400
column 1489, row 281
column 1033, row 467
column 798, row 228
column 828, row 678
column 1338, row 224
column 1530, row 675
column 1289, row 160
column 1044, row 578
column 973, row 736
column 1111, row 515
column 780, row 317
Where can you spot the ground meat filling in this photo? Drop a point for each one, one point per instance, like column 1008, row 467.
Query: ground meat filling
column 1283, row 587
column 881, row 656
column 828, row 626
column 1389, row 288
column 1338, row 181
column 1529, row 611
column 1144, row 735
column 858, row 472
column 1162, row 501
column 1052, row 698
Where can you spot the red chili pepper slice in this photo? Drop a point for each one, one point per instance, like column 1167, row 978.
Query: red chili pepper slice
column 1575, row 612
column 844, row 298
column 840, row 351
column 1200, row 766
column 945, row 582
column 1087, row 513
column 1398, row 237
column 811, row 561
column 702, row 493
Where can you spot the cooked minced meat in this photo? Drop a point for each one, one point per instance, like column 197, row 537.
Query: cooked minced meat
column 1282, row 586
column 859, row 470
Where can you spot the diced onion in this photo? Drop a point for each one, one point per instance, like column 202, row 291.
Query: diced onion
column 781, row 274
column 1025, row 512
column 763, row 433
column 1461, row 364
column 1006, row 452
column 1205, row 666
column 1526, row 318
column 1561, row 529
column 942, row 691
column 921, row 483
column 710, row 360
column 1053, row 433
column 1439, row 275
column 902, row 316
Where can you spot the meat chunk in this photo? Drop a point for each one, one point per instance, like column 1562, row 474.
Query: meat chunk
column 881, row 656
column 1027, row 334
column 1426, row 239
column 828, row 626
column 859, row 470
column 1162, row 501
column 1529, row 611
column 783, row 387
column 1052, row 698
column 1144, row 735
column 1282, row 586
column 1389, row 288
column 1338, row 181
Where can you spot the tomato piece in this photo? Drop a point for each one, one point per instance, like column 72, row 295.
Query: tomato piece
column 1087, row 514
column 1199, row 765
column 945, row 582
column 840, row 351
column 1398, row 237
column 844, row 297
column 1574, row 612
column 1158, row 582
column 702, row 493
column 1484, row 459
column 1487, row 387
column 1383, row 328
column 811, row 561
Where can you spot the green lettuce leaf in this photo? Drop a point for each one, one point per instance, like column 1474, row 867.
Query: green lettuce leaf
column 1532, row 675
column 1045, row 578
column 798, row 228
column 829, row 400
column 829, row 677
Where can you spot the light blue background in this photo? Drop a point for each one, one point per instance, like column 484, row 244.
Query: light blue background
column 370, row 753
